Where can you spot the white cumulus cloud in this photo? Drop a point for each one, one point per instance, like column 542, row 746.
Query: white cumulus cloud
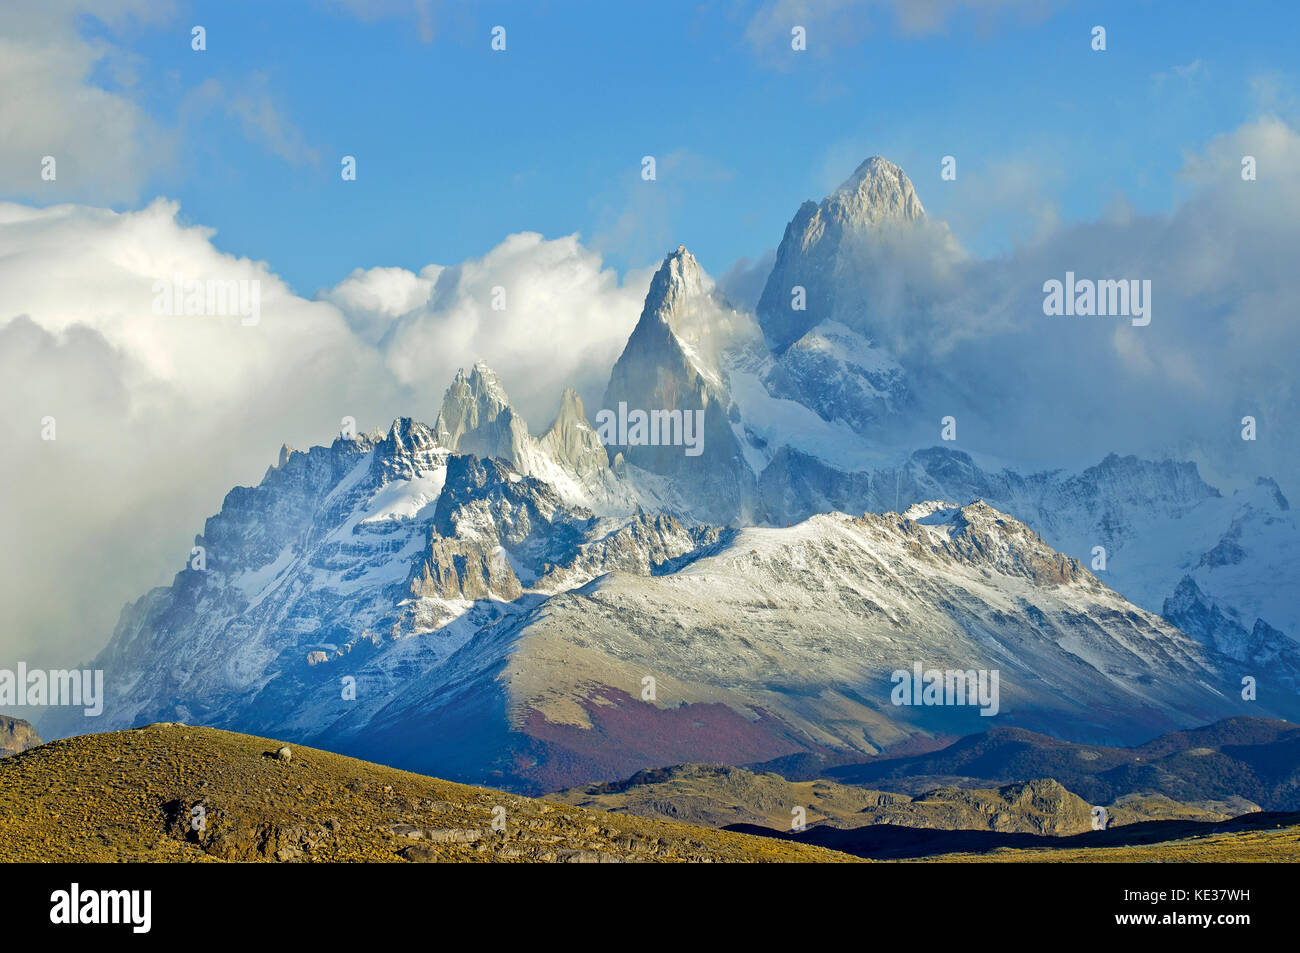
column 157, row 416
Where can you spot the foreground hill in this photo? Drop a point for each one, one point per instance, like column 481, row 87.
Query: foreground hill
column 1271, row 837
column 173, row 793
column 1253, row 758
column 720, row 796
column 178, row 793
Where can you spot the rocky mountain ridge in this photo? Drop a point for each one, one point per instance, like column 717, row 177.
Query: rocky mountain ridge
column 470, row 598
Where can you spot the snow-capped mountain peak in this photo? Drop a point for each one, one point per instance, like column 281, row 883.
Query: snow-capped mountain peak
column 499, row 597
column 816, row 311
column 878, row 191
column 677, row 286
column 472, row 405
column 574, row 444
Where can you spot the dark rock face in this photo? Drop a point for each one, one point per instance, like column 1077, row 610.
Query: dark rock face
column 464, row 569
column 1261, row 645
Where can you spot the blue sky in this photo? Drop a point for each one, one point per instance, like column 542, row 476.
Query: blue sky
column 458, row 146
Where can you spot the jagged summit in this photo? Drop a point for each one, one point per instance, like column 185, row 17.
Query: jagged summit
column 570, row 407
column 677, row 292
column 821, row 253
column 676, row 286
column 571, row 422
column 877, row 191
column 673, row 363
column 476, row 416
column 573, row 443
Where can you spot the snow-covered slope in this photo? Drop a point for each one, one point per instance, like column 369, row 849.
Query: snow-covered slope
column 380, row 554
column 779, row 640
column 1157, row 521
column 388, row 597
column 810, row 408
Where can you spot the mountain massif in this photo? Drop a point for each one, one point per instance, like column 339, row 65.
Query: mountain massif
column 470, row 599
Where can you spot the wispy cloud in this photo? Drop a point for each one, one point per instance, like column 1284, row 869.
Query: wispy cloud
column 1189, row 73
column 252, row 105
column 75, row 98
column 835, row 24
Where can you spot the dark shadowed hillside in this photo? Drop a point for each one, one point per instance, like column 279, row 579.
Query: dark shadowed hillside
column 1253, row 758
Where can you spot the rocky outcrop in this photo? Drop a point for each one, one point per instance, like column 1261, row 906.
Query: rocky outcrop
column 979, row 535
column 643, row 546
column 464, row 569
column 673, row 363
column 573, row 443
column 16, row 736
